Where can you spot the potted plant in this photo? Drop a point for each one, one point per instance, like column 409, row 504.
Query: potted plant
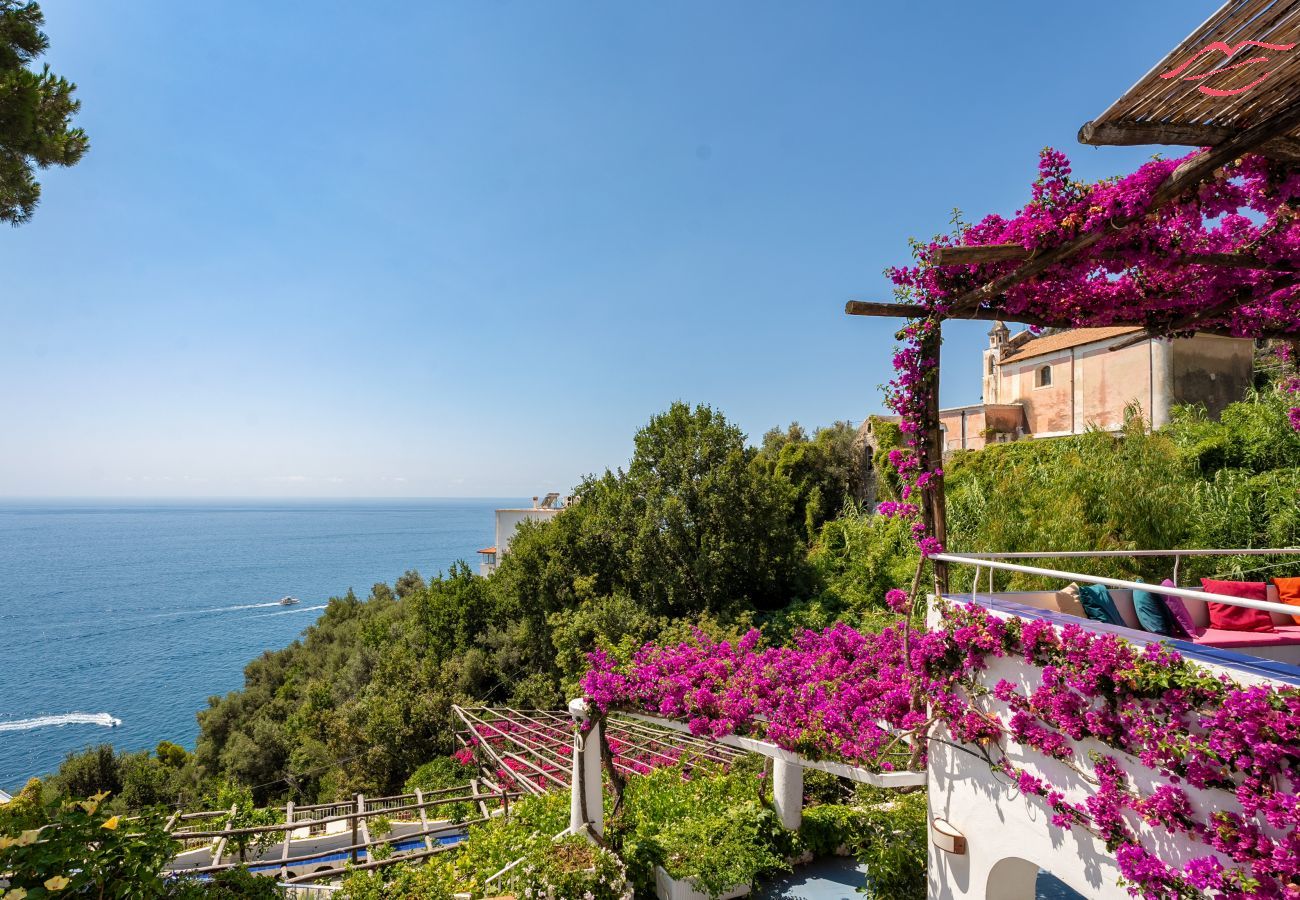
column 716, row 856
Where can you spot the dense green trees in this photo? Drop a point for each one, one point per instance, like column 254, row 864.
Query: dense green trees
column 36, row 109
column 166, row 777
column 826, row 471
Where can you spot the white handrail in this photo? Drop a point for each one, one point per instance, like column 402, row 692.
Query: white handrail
column 1117, row 582
column 1066, row 554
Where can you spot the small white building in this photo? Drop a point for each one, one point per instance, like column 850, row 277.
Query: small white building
column 508, row 520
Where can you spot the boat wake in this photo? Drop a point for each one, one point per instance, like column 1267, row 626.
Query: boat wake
column 216, row 609
column 103, row 719
column 289, row 612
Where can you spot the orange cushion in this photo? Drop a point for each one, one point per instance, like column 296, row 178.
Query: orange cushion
column 1288, row 592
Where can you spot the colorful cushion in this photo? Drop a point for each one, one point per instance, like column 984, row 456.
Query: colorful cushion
column 1150, row 609
column 1288, row 592
column 1098, row 605
column 1226, row 617
column 1180, row 618
column 1067, row 601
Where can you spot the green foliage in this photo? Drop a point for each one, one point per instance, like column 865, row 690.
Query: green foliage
column 831, row 828
column 1196, row 483
column 36, row 109
column 233, row 884
column 431, row 880
column 1093, row 491
column 136, row 780
column 1253, row 435
column 570, row 867
column 246, row 815
column 444, row 772
column 826, row 472
column 494, row 844
column 858, row 558
column 894, row 848
column 70, row 848
column 712, row 826
column 691, row 527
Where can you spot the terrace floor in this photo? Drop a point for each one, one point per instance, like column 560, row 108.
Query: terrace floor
column 840, row 878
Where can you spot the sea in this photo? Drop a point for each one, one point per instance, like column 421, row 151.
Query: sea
column 119, row 619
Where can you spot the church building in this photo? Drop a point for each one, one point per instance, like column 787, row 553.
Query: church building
column 1066, row 382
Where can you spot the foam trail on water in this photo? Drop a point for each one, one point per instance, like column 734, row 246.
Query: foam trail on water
column 296, row 609
column 103, row 719
column 215, row 609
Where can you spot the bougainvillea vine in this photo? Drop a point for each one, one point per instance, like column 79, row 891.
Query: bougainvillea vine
column 849, row 696
column 1165, row 270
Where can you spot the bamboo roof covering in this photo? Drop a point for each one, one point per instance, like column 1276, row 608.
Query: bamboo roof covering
column 1239, row 69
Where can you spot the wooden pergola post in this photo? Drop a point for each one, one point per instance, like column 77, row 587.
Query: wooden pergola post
column 934, row 512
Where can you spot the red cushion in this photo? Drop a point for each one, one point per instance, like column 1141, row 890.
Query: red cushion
column 1225, row 617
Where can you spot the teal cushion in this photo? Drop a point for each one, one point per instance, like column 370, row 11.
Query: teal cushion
column 1151, row 612
column 1098, row 605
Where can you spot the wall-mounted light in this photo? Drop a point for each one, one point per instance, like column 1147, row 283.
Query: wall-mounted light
column 947, row 838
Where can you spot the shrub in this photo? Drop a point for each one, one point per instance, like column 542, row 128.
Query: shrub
column 232, row 884
column 832, row 826
column 494, row 844
column 720, row 849
column 434, row 880
column 440, row 773
column 570, row 868
column 894, row 848
column 704, row 824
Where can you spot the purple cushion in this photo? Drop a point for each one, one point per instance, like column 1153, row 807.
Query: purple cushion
column 1182, row 619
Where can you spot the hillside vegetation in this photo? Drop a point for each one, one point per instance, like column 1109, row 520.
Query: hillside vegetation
column 703, row 531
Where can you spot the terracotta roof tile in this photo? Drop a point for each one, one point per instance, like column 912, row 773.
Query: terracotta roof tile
column 1064, row 340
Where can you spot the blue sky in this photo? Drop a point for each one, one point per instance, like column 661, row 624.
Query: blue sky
column 443, row 249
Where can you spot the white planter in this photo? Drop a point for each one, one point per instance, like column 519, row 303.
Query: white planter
column 669, row 888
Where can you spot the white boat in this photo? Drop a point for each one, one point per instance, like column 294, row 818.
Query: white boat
column 289, row 601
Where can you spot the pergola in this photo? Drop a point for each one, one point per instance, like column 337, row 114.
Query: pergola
column 1231, row 87
column 534, row 747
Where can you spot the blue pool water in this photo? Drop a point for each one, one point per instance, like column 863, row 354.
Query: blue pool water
column 324, row 859
column 143, row 610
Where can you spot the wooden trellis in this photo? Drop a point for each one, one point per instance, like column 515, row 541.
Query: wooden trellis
column 534, row 747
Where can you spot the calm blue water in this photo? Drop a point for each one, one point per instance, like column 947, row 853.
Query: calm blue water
column 142, row 611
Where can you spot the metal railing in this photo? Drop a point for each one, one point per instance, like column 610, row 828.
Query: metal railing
column 1100, row 554
column 994, row 561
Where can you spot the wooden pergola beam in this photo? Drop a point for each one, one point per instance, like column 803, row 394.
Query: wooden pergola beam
column 916, row 311
column 976, row 255
column 982, row 314
column 1188, row 175
column 1124, row 134
column 1191, row 321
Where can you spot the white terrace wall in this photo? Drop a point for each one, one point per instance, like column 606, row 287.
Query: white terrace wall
column 1009, row 836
